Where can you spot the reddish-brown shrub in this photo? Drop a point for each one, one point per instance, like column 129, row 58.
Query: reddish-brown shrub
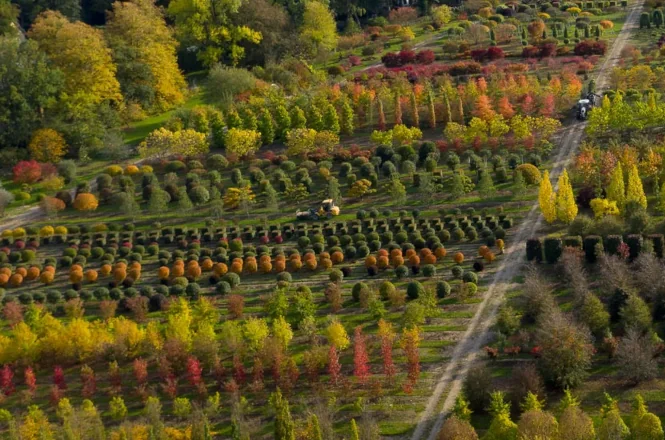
column 236, row 304
column 27, row 171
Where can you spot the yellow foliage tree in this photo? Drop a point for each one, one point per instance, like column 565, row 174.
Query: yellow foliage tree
column 47, row 145
column 603, row 207
column 85, row 202
column 337, row 336
column 360, row 189
column 566, row 208
column 163, row 142
column 138, row 27
column 235, row 197
column 634, row 190
column 81, row 53
column 300, row 141
column 242, row 142
column 546, row 197
column 616, row 190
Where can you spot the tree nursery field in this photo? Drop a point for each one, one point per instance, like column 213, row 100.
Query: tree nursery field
column 343, row 219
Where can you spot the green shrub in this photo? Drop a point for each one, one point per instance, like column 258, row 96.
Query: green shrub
column 429, row 270
column 553, row 248
column 414, row 289
column 470, row 277
column 534, row 250
column 442, row 289
column 401, row 271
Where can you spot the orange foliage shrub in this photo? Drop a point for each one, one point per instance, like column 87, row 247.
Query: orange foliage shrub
column 105, row 270
column 76, row 268
column 500, row 244
column 194, row 271
column 395, row 253
column 119, row 275
column 459, row 258
column 91, row 275
column 16, row 280
column 409, row 253
column 49, row 269
column 4, row 279
column 21, row 271
column 326, row 263
column 236, row 266
column 440, row 253
column 383, row 262
column 135, row 266
column 430, row 259
column 370, row 261
column 77, row 277
column 280, row 265
column 310, row 264
column 250, row 265
column 134, row 274
column 220, row 269
column 424, row 252
column 163, row 273
column 206, row 265
column 397, row 260
column 6, row 271
column 337, row 257
column 414, row 260
column 482, row 250
column 295, row 265
column 86, row 202
column 266, row 266
column 382, row 253
column 46, row 277
column 489, row 257
column 33, row 273
column 178, row 270
column 120, row 265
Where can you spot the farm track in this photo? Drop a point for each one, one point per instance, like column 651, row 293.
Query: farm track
column 478, row 330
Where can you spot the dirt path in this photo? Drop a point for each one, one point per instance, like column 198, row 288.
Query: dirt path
column 469, row 347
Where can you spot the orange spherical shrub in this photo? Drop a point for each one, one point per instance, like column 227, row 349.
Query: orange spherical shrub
column 424, row 252
column 220, row 269
column 236, row 266
column 500, row 244
column 409, row 253
column 311, row 264
column 121, row 265
column 429, row 259
column 135, row 266
column 16, row 280
column 163, row 273
column 395, row 253
column 105, row 270
column 250, row 265
column 280, row 265
column 324, row 255
column 194, row 271
column 178, row 270
column 459, row 258
column 6, row 271
column 382, row 253
column 370, row 261
column 326, row 263
column 4, row 279
column 295, row 256
column 76, row 277
column 49, row 269
column 46, row 277
column 134, row 274
column 397, row 260
column 295, row 265
column 337, row 257
column 86, row 202
column 22, row 271
column 383, row 262
column 489, row 257
column 440, row 253
column 119, row 275
column 91, row 275
column 206, row 265
column 482, row 250
column 76, row 268
column 266, row 266
column 33, row 273
column 414, row 260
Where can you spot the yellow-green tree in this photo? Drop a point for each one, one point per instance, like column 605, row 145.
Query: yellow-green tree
column 300, row 141
column 319, row 30
column 211, row 27
column 163, row 142
column 644, row 424
column 47, row 145
column 360, row 189
column 83, row 56
column 501, row 427
column 546, row 198
column 635, row 191
column 144, row 50
column 616, row 190
column 566, row 208
column 242, row 142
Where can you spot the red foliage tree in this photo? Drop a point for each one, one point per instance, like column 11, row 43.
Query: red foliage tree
column 528, row 106
column 170, row 386
column 257, row 375
column 239, row 374
column 89, row 382
column 483, row 108
column 7, row 381
column 410, row 343
column 140, row 371
column 30, row 380
column 55, row 394
column 495, row 53
column 425, row 57
column 194, row 371
column 13, row 313
column 548, row 107
column 590, row 47
column 360, row 358
column 389, row 369
column 27, row 171
column 334, row 367
column 59, row 378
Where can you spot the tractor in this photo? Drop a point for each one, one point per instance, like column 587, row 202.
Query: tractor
column 327, row 209
column 584, row 106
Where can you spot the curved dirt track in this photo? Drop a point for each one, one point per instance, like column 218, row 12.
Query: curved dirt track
column 469, row 347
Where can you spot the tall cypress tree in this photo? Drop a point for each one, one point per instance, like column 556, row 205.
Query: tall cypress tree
column 284, row 426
